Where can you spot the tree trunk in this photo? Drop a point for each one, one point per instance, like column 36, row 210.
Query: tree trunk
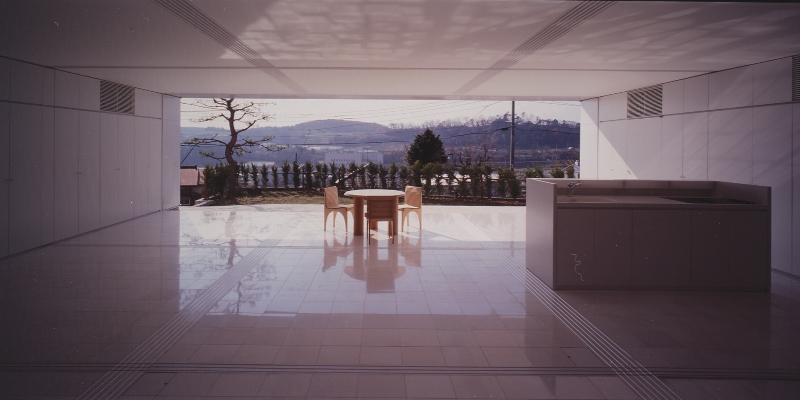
column 233, row 176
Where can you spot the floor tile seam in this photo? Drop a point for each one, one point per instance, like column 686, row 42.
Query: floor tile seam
column 150, row 349
column 644, row 385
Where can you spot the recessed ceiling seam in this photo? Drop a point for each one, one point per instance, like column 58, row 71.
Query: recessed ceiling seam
column 585, row 10
column 205, row 24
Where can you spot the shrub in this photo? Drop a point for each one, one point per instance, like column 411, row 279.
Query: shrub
column 557, row 172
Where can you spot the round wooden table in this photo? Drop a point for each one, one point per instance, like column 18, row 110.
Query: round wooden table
column 358, row 203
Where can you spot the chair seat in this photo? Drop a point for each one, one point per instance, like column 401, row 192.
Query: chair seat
column 406, row 206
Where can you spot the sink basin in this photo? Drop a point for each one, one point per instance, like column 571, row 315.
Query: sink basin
column 584, row 199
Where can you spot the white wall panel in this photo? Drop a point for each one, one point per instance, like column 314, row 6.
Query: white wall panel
column 157, row 106
column 772, row 82
column 48, row 86
column 796, row 189
column 48, row 173
column 5, row 80
column 672, row 98
column 89, row 178
column 695, row 94
column 67, row 133
column 730, row 146
column 643, row 148
column 148, row 104
column 89, row 94
column 25, row 225
column 772, row 166
column 141, row 167
column 695, row 146
column 127, row 132
column 672, row 147
column 590, row 119
column 67, row 89
column 140, row 105
column 170, row 145
column 25, row 82
column 730, row 88
column 611, row 151
column 622, row 129
column 154, row 166
column 109, row 169
column 5, row 185
column 614, row 107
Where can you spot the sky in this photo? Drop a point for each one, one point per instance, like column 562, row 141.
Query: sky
column 413, row 112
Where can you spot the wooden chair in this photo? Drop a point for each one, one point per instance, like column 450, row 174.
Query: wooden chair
column 413, row 203
column 332, row 206
column 381, row 210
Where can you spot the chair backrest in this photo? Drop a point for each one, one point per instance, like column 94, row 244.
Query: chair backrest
column 331, row 197
column 413, row 196
column 381, row 209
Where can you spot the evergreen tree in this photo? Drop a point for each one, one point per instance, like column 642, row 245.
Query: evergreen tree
column 426, row 148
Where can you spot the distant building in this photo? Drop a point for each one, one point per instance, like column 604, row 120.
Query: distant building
column 192, row 182
column 361, row 157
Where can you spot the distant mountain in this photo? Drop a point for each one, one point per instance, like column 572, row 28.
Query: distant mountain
column 339, row 126
column 311, row 140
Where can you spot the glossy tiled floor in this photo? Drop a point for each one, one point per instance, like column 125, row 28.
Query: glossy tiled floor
column 259, row 302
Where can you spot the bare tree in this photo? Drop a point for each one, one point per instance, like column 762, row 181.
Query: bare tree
column 470, row 153
column 240, row 117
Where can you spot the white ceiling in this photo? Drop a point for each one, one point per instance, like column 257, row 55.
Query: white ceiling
column 418, row 49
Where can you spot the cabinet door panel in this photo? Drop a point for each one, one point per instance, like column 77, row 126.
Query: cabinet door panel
column 749, row 246
column 66, row 183
column 109, row 171
column 141, row 168
column 575, row 248
column 48, row 171
column 25, row 223
column 5, row 184
column 154, row 157
column 89, row 178
column 710, row 248
column 660, row 248
column 612, row 247
column 170, row 162
column 127, row 131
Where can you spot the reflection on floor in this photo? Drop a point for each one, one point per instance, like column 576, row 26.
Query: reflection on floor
column 260, row 302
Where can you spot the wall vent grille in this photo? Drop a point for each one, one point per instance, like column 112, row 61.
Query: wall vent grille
column 116, row 97
column 796, row 79
column 645, row 102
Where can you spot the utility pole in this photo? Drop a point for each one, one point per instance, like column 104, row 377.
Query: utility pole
column 513, row 123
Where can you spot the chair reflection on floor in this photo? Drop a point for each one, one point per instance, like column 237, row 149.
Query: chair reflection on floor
column 411, row 250
column 379, row 269
column 332, row 206
column 332, row 253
